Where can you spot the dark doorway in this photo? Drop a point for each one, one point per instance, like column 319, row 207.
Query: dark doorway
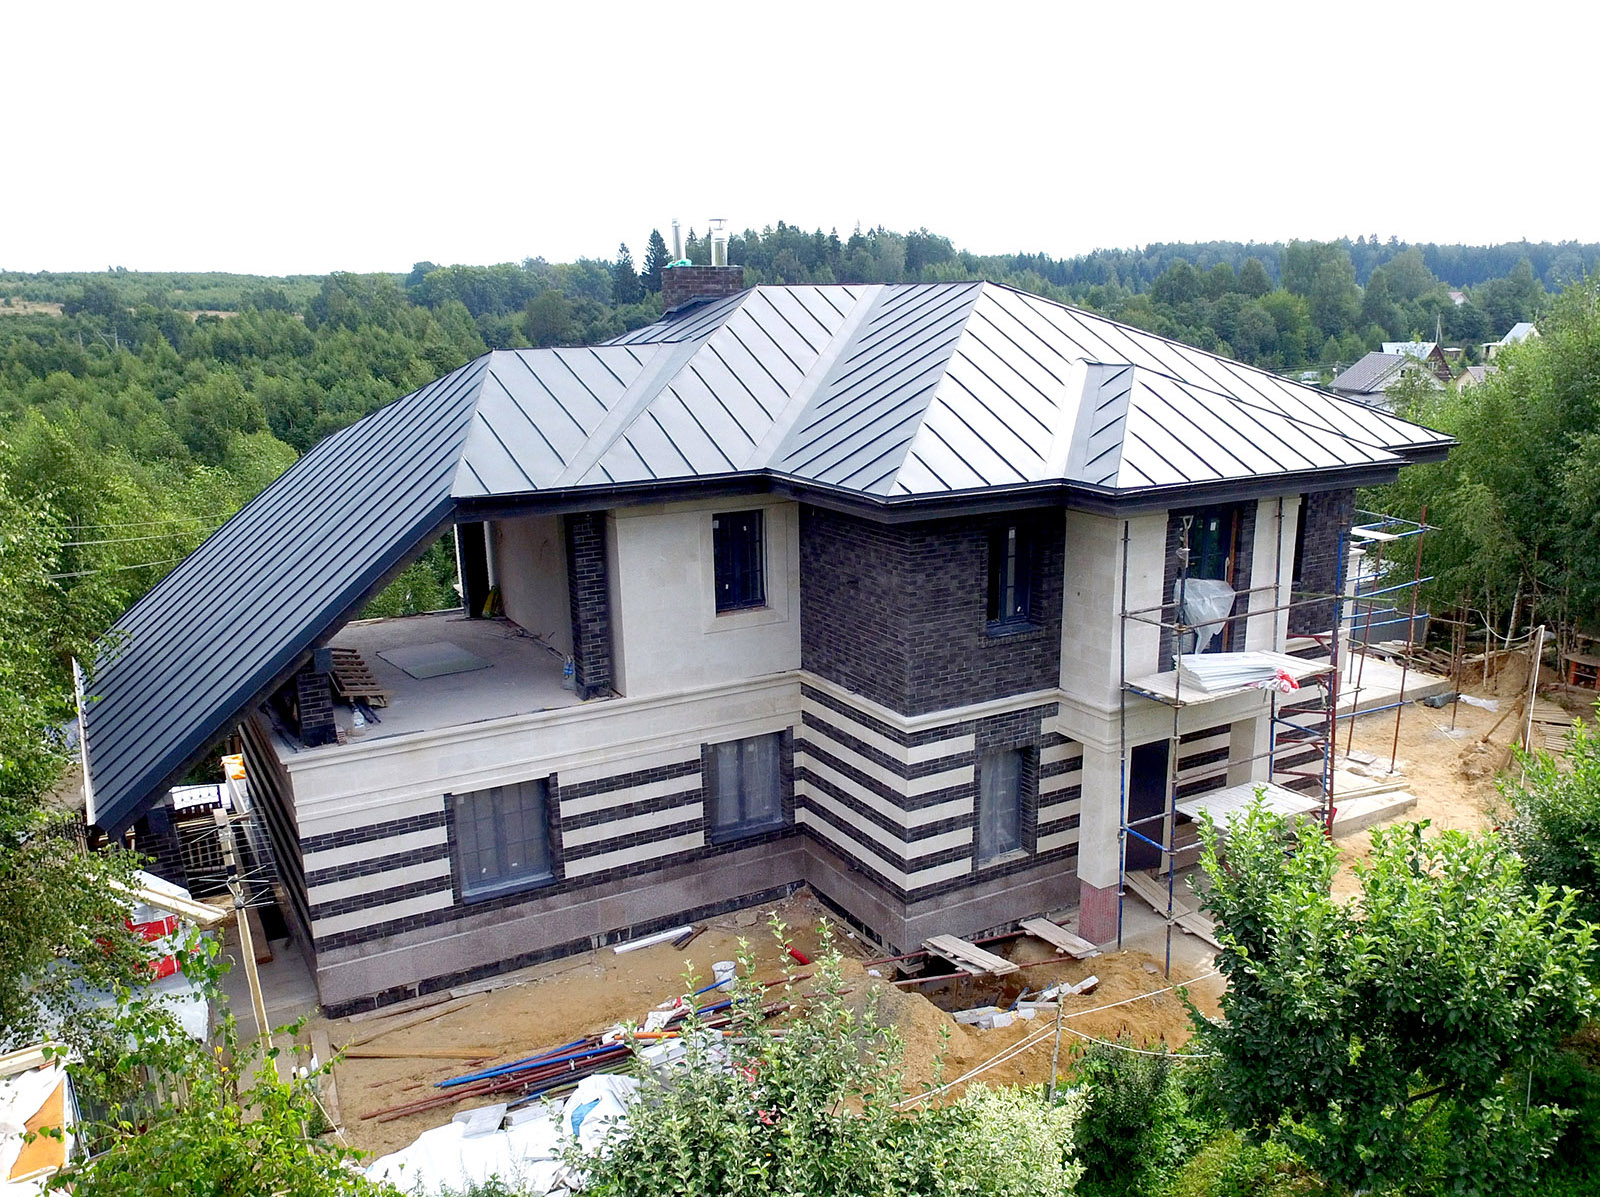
column 1147, row 797
column 474, row 568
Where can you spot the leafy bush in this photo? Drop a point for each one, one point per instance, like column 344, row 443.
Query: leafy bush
column 1136, row 1122
column 811, row 1109
column 1389, row 1038
column 1555, row 827
column 1228, row 1166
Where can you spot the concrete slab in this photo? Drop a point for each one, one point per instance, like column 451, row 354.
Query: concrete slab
column 522, row 674
column 1358, row 814
column 1373, row 683
column 287, row 988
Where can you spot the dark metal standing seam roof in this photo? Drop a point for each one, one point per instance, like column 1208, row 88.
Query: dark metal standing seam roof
column 889, row 393
column 237, row 612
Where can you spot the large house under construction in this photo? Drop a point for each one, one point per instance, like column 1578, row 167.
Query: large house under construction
column 832, row 585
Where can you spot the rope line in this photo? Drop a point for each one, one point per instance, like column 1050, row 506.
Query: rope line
column 1046, row 1032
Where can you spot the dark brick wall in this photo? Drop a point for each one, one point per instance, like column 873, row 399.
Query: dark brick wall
column 682, row 283
column 313, row 705
column 1243, row 571
column 591, row 602
column 898, row 613
column 1324, row 519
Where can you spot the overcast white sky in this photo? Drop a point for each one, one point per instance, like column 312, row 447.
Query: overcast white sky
column 289, row 137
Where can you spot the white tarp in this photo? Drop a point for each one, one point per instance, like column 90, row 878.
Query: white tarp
column 522, row 1148
column 1206, row 603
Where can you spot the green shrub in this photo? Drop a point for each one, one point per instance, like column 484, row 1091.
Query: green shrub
column 1138, row 1117
column 811, row 1109
column 1228, row 1166
column 1555, row 826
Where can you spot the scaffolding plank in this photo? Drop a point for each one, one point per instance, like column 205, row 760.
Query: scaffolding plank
column 1225, row 803
column 1059, row 938
column 1154, row 894
column 970, row 956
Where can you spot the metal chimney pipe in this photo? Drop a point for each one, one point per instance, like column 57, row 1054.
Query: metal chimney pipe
column 677, row 242
column 719, row 240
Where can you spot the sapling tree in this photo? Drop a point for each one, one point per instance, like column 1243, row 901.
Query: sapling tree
column 1393, row 1036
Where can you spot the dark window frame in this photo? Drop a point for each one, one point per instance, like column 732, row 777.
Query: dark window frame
column 1012, row 569
column 715, row 768
column 739, row 560
column 535, row 797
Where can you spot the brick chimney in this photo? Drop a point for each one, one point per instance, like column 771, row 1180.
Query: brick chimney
column 680, row 284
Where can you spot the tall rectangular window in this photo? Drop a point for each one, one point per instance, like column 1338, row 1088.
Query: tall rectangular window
column 1000, row 776
column 744, row 788
column 1010, row 576
column 502, row 838
column 738, row 562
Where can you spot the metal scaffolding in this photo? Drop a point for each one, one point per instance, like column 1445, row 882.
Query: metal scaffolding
column 1302, row 724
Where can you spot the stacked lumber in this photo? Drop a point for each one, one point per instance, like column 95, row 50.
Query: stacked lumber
column 1185, row 915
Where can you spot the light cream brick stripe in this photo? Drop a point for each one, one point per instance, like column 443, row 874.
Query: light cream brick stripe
column 951, row 809
column 634, row 854
column 907, row 881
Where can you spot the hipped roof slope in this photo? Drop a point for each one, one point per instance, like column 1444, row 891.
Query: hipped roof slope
column 884, row 396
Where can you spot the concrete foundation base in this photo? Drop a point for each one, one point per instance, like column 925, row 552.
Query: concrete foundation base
column 1097, row 912
column 971, row 910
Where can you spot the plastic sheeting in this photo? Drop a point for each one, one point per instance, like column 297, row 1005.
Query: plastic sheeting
column 1206, row 605
column 21, row 1098
column 522, row 1147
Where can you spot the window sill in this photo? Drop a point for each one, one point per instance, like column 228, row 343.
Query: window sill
column 520, row 885
column 1012, row 629
column 744, row 831
column 989, row 862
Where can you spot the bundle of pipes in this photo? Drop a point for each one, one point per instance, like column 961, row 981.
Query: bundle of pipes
column 555, row 1070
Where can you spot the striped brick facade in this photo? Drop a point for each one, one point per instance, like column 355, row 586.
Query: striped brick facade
column 400, row 874
column 901, row 806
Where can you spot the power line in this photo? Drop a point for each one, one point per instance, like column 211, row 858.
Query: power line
column 1046, row 1032
column 176, row 519
column 67, row 544
column 111, row 569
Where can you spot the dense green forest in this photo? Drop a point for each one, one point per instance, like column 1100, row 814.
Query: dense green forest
column 139, row 410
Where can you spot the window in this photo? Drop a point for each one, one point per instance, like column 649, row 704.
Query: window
column 1010, row 576
column 1000, row 776
column 502, row 838
column 1211, row 544
column 740, row 568
column 744, row 786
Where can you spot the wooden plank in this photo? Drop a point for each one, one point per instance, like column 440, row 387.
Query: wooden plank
column 369, row 1052
column 1154, row 893
column 328, row 1091
column 405, row 1007
column 411, row 1021
column 974, row 958
column 1059, row 937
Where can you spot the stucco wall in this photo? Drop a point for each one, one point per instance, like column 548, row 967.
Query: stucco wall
column 531, row 566
column 666, row 633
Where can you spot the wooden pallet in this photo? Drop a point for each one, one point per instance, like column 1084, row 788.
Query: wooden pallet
column 1059, row 938
column 969, row 956
column 353, row 680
